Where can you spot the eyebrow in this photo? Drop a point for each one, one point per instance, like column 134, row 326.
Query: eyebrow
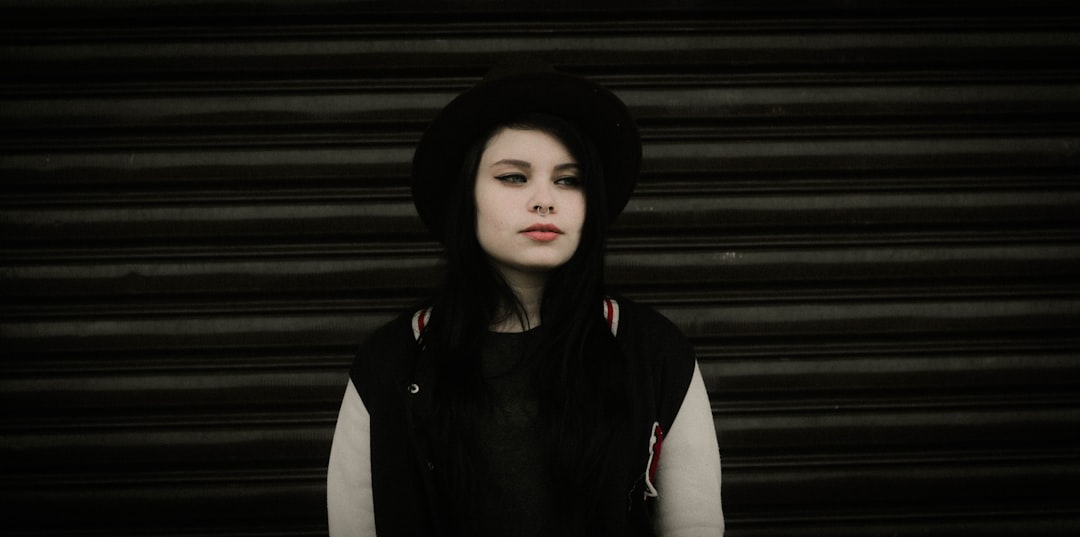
column 527, row 165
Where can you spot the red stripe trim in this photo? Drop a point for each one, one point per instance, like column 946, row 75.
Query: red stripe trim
column 419, row 320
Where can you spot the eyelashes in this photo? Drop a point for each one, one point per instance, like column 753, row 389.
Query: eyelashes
column 518, row 178
column 512, row 178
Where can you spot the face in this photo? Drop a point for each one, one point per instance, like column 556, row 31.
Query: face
column 520, row 170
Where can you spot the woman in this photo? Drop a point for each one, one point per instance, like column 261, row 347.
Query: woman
column 523, row 400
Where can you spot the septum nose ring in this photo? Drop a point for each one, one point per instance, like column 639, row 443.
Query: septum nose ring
column 542, row 211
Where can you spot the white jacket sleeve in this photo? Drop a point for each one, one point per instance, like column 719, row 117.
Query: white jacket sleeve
column 348, row 481
column 688, row 475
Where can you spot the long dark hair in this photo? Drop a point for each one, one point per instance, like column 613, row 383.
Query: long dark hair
column 584, row 399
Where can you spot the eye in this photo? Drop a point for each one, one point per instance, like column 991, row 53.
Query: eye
column 511, row 178
column 569, row 180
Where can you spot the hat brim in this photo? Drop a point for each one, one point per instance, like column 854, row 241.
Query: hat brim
column 597, row 112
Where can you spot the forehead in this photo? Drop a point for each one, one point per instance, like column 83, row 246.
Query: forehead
column 525, row 143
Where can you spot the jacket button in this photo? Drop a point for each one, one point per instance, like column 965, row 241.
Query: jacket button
column 431, row 466
column 414, row 389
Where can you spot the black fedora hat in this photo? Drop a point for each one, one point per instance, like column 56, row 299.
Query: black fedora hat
column 509, row 90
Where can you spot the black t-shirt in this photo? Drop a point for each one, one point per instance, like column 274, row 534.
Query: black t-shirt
column 516, row 486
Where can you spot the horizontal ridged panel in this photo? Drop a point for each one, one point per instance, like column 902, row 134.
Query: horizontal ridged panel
column 206, row 329
column 818, row 371
column 187, row 390
column 190, row 273
column 720, row 100
column 700, row 213
column 864, row 217
column 691, row 154
column 688, row 44
column 178, row 501
column 827, row 428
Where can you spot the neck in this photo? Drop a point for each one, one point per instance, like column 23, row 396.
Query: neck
column 529, row 290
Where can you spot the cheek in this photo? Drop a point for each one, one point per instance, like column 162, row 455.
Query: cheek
column 488, row 220
column 579, row 212
column 485, row 226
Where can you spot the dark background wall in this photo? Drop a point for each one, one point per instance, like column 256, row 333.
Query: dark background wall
column 864, row 214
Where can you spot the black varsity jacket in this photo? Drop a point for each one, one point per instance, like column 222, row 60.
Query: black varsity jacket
column 396, row 386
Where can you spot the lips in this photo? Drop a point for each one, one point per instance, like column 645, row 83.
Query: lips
column 551, row 228
column 542, row 232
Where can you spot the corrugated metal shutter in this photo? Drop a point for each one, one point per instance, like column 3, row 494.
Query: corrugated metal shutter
column 866, row 218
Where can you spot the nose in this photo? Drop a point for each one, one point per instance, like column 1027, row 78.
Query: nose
column 542, row 200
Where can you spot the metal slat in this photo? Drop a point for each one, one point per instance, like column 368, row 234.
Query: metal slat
column 701, row 214
column 701, row 154
column 176, row 501
column 317, row 325
column 188, row 54
column 276, row 273
column 653, row 99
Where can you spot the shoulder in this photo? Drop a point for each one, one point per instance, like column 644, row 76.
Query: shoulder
column 393, row 335
column 386, row 354
column 654, row 343
column 645, row 328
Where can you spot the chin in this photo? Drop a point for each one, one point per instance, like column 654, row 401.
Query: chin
column 541, row 265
